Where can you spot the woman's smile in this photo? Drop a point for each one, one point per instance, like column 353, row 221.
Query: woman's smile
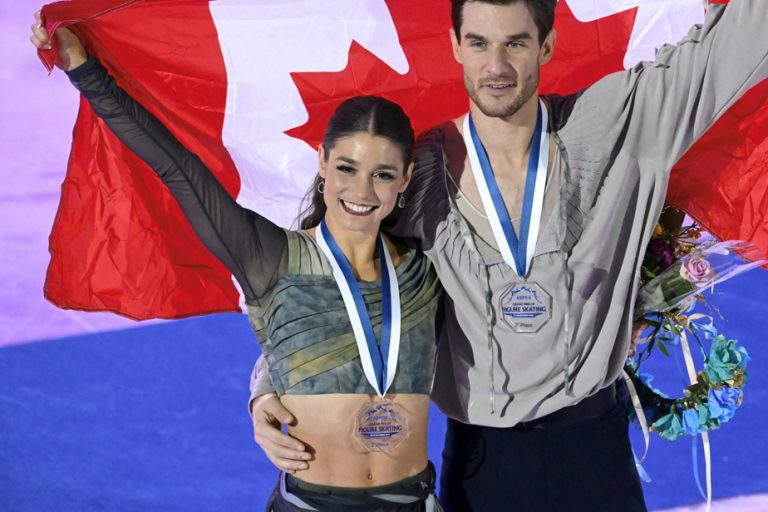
column 356, row 209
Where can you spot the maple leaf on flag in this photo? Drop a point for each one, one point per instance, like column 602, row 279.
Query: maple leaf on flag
column 585, row 51
column 431, row 91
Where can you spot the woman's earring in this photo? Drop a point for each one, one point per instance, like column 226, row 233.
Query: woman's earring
column 401, row 201
column 321, row 186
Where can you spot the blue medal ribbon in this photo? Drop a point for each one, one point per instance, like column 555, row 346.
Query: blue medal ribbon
column 519, row 247
column 377, row 354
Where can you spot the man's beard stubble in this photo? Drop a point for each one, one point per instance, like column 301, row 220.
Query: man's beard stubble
column 500, row 110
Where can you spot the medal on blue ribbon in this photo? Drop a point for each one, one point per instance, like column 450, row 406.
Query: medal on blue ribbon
column 516, row 251
column 525, row 306
column 379, row 425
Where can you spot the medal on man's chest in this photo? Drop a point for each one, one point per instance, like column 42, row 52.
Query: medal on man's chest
column 381, row 425
column 525, row 307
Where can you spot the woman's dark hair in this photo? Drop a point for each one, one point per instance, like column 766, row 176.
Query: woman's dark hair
column 543, row 12
column 361, row 114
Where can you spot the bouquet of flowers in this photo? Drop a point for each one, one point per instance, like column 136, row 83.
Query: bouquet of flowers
column 678, row 266
column 686, row 269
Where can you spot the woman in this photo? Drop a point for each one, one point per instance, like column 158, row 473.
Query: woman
column 345, row 316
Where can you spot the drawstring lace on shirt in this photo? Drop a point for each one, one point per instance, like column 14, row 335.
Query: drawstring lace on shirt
column 568, row 276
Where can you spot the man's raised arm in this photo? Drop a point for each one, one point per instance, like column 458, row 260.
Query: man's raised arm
column 665, row 105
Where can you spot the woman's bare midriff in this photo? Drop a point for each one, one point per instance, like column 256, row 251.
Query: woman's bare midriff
column 326, row 424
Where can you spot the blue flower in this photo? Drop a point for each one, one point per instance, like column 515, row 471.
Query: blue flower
column 707, row 420
column 744, row 357
column 724, row 359
column 669, row 426
column 723, row 402
column 691, row 424
column 647, row 378
column 704, row 328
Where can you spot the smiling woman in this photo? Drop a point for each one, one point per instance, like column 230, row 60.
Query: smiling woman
column 364, row 162
column 345, row 317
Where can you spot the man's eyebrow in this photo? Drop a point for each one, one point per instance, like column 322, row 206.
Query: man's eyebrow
column 472, row 35
column 514, row 37
column 521, row 36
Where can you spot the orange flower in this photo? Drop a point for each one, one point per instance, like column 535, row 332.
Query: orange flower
column 657, row 231
column 682, row 250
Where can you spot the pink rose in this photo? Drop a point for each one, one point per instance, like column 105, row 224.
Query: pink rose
column 697, row 270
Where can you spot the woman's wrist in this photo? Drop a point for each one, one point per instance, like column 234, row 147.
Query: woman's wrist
column 74, row 58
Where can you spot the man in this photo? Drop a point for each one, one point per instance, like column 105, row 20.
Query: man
column 536, row 215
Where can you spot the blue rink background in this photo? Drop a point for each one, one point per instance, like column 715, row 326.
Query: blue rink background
column 154, row 418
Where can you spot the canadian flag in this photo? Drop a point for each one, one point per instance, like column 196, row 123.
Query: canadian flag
column 248, row 85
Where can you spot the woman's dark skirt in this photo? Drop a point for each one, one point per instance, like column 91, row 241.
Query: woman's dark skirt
column 412, row 494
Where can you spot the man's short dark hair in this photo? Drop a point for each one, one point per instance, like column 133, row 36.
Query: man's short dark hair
column 543, row 12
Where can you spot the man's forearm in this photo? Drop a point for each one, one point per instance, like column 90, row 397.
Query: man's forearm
column 261, row 382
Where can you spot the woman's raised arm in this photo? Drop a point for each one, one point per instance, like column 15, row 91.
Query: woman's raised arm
column 249, row 245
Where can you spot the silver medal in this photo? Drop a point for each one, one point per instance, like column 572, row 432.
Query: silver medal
column 526, row 307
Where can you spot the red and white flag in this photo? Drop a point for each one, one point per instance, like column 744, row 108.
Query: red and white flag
column 249, row 85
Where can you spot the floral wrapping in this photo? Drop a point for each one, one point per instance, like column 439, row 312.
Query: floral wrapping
column 677, row 268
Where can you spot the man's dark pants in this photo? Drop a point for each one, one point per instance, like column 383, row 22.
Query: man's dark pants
column 577, row 459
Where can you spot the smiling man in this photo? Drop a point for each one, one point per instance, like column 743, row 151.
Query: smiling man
column 536, row 212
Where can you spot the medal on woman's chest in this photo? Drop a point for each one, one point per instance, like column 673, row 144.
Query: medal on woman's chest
column 525, row 306
column 381, row 424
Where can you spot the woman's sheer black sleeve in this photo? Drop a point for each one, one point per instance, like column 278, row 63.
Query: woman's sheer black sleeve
column 250, row 246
